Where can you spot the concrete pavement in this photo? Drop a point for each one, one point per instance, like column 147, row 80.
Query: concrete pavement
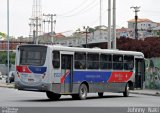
column 136, row 91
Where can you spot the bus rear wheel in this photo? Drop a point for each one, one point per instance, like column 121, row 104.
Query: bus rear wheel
column 82, row 95
column 53, row 96
column 126, row 92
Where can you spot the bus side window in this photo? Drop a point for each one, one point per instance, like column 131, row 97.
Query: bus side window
column 105, row 61
column 80, row 60
column 92, row 61
column 128, row 62
column 118, row 62
column 56, row 59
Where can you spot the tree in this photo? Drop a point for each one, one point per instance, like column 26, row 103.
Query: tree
column 2, row 35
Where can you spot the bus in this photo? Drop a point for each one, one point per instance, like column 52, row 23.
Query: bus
column 59, row 70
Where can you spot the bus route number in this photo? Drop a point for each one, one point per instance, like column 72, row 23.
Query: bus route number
column 57, row 74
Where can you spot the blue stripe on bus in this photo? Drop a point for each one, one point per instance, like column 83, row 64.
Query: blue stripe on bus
column 89, row 76
column 37, row 70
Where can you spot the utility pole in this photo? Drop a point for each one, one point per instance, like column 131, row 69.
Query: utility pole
column 114, row 25
column 100, row 17
column 86, row 31
column 109, row 24
column 8, row 41
column 136, row 10
column 36, row 21
column 36, row 37
column 51, row 21
column 35, row 31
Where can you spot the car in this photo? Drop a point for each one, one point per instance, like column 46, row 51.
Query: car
column 11, row 77
column 1, row 76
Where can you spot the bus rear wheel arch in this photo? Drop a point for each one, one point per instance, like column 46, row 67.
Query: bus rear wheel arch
column 53, row 96
column 82, row 92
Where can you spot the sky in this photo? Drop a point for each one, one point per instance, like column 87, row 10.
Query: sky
column 74, row 14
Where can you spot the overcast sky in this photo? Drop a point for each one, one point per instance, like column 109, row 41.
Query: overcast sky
column 74, row 14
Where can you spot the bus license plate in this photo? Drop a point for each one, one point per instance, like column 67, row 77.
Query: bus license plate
column 30, row 80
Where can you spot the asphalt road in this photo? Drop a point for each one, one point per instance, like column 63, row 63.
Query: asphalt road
column 16, row 98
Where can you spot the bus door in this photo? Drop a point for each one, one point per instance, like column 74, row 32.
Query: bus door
column 139, row 72
column 67, row 72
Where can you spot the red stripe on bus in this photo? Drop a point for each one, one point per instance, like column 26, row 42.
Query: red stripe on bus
column 64, row 76
column 23, row 69
column 120, row 76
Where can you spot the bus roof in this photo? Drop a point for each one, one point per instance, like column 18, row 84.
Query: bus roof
column 96, row 50
column 92, row 50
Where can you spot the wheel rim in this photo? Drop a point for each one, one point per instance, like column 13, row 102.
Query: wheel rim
column 83, row 92
column 127, row 87
column 127, row 90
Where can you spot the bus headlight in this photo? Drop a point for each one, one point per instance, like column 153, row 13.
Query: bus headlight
column 43, row 75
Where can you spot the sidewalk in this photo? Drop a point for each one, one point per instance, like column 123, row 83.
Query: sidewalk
column 151, row 92
column 6, row 85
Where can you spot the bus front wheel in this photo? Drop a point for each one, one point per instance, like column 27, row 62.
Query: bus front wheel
column 126, row 92
column 53, row 96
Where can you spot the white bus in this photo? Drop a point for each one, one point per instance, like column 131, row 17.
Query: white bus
column 59, row 70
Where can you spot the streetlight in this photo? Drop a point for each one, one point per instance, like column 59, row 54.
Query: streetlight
column 8, row 39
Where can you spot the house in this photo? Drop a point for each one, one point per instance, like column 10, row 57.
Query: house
column 124, row 32
column 144, row 26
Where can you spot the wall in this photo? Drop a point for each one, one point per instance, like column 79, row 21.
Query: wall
column 152, row 79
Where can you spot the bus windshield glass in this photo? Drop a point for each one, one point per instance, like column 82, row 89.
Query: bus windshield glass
column 32, row 55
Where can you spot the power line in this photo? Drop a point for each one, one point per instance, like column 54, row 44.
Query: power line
column 75, row 8
column 82, row 11
column 96, row 19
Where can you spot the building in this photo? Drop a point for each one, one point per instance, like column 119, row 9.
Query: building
column 156, row 31
column 145, row 27
column 142, row 24
column 81, row 38
column 124, row 32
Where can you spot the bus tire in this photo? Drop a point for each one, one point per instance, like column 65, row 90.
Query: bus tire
column 53, row 96
column 82, row 92
column 126, row 92
column 100, row 94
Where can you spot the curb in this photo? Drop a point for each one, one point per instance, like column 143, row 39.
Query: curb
column 7, row 85
column 150, row 94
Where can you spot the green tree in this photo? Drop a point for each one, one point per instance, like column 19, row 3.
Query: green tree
column 3, row 57
column 2, row 35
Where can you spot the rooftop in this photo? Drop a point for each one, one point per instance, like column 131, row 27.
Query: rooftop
column 140, row 20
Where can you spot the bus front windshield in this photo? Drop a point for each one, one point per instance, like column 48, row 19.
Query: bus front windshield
column 32, row 55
